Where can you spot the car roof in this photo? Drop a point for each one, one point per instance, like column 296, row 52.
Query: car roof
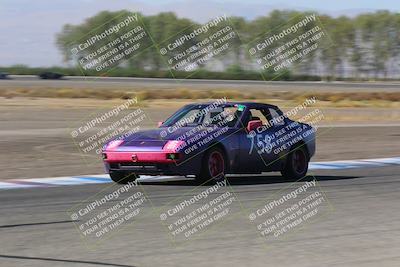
column 232, row 103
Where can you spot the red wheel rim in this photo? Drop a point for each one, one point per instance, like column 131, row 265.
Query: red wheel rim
column 216, row 164
column 299, row 161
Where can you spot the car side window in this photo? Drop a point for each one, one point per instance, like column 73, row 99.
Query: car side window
column 257, row 114
column 276, row 119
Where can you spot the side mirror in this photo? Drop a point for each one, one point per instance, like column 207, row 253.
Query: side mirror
column 252, row 125
column 160, row 123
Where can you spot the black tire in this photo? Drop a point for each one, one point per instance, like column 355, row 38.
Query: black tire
column 296, row 165
column 123, row 177
column 213, row 166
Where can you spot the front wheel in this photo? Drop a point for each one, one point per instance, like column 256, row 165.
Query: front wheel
column 213, row 166
column 296, row 166
column 123, row 177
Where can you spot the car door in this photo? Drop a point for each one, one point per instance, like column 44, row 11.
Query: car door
column 256, row 153
column 272, row 138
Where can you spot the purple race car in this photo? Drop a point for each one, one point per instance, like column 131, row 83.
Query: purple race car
column 210, row 140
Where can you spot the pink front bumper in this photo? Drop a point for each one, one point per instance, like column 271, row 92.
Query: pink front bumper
column 148, row 157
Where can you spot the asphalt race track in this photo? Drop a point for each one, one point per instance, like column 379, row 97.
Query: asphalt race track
column 356, row 223
column 360, row 229
column 28, row 81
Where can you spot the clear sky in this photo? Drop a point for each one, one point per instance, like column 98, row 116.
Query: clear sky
column 28, row 27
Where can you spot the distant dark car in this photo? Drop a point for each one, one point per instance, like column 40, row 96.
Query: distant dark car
column 4, row 75
column 208, row 141
column 50, row 75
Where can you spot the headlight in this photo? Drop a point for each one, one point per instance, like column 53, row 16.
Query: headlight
column 173, row 145
column 113, row 144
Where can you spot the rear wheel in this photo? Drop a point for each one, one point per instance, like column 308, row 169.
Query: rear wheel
column 123, row 177
column 296, row 166
column 213, row 166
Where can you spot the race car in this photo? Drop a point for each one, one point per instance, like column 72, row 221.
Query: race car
column 4, row 75
column 50, row 75
column 210, row 140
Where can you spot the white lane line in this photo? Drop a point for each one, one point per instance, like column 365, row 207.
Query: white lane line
column 104, row 178
column 354, row 164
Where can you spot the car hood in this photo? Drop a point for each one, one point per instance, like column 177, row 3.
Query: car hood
column 150, row 140
column 160, row 134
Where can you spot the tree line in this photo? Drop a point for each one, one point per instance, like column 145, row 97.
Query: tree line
column 362, row 47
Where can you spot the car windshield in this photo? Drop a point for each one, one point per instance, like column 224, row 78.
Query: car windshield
column 206, row 115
